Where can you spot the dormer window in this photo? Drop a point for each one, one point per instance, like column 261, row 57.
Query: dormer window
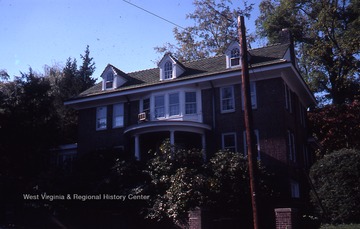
column 109, row 80
column 168, row 70
column 235, row 57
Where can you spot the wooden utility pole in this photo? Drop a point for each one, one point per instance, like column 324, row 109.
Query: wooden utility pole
column 245, row 86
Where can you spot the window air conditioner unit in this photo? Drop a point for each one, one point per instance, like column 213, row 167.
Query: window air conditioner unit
column 142, row 116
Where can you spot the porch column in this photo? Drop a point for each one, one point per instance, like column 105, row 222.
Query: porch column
column 172, row 137
column 203, row 146
column 137, row 147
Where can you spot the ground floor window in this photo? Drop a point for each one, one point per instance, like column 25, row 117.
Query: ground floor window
column 229, row 142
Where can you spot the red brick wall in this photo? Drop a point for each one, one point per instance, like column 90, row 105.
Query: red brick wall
column 286, row 218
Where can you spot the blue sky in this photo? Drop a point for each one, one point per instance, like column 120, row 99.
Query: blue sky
column 35, row 33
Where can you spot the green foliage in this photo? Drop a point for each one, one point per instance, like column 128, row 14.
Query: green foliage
column 181, row 181
column 336, row 178
column 215, row 28
column 327, row 38
column 336, row 127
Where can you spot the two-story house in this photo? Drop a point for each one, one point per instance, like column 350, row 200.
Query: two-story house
column 199, row 104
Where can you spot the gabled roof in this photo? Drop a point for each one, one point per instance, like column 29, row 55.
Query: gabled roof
column 269, row 55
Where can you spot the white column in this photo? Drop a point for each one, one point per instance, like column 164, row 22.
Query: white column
column 137, row 147
column 203, row 146
column 172, row 137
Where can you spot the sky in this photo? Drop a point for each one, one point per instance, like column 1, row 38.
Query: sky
column 35, row 33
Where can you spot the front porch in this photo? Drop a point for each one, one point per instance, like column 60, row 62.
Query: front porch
column 148, row 136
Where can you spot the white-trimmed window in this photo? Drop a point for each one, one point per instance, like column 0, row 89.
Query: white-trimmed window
column 118, row 115
column 252, row 96
column 229, row 142
column 291, row 146
column 174, row 104
column 159, row 106
column 288, row 98
column 295, row 189
column 257, row 144
column 101, row 118
column 190, row 102
column 227, row 99
column 109, row 82
column 168, row 70
column 146, row 107
column 234, row 57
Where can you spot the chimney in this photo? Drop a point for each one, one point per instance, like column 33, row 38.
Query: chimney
column 285, row 36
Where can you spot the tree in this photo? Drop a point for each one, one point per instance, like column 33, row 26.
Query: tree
column 336, row 127
column 86, row 70
column 327, row 38
column 215, row 28
column 336, row 178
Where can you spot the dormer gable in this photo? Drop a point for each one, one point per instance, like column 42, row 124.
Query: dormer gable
column 170, row 68
column 233, row 55
column 112, row 78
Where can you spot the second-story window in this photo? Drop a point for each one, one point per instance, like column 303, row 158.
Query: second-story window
column 291, row 146
column 235, row 57
column 190, row 102
column 174, row 104
column 101, row 114
column 168, row 70
column 146, row 108
column 252, row 96
column 159, row 106
column 227, row 99
column 118, row 115
column 257, row 144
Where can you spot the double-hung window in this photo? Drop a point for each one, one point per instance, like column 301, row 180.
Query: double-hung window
column 190, row 103
column 227, row 99
column 109, row 80
column 291, row 146
column 235, row 57
column 229, row 142
column 257, row 144
column 118, row 115
column 288, row 98
column 101, row 121
column 159, row 106
column 252, row 96
column 168, row 70
column 146, row 107
column 174, row 104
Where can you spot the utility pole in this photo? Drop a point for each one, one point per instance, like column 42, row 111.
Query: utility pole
column 245, row 86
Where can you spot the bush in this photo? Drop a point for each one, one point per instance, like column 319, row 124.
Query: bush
column 341, row 226
column 336, row 178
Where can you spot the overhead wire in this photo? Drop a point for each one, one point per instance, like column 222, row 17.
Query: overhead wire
column 149, row 12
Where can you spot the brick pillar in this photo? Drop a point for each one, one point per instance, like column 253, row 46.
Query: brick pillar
column 286, row 218
column 196, row 218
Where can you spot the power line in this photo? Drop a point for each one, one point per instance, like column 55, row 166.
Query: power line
column 154, row 14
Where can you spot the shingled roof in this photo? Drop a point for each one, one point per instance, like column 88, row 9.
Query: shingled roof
column 194, row 69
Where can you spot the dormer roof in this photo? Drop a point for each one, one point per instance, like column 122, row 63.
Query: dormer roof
column 170, row 67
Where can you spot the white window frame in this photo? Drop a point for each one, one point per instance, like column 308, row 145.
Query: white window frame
column 291, row 146
column 257, row 145
column 190, row 104
column 174, row 105
column 223, row 142
column 101, row 116
column 253, row 96
column 295, row 189
column 231, row 99
column 156, row 115
column 235, row 56
column 147, row 111
column 109, row 81
column 118, row 115
column 288, row 98
column 168, row 70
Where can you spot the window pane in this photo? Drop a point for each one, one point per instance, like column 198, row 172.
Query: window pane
column 227, row 99
column 168, row 70
column 229, row 142
column 159, row 106
column 190, row 103
column 174, row 106
column 146, row 107
column 101, row 113
column 118, row 115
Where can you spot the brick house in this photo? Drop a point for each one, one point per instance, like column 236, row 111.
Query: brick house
column 199, row 104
